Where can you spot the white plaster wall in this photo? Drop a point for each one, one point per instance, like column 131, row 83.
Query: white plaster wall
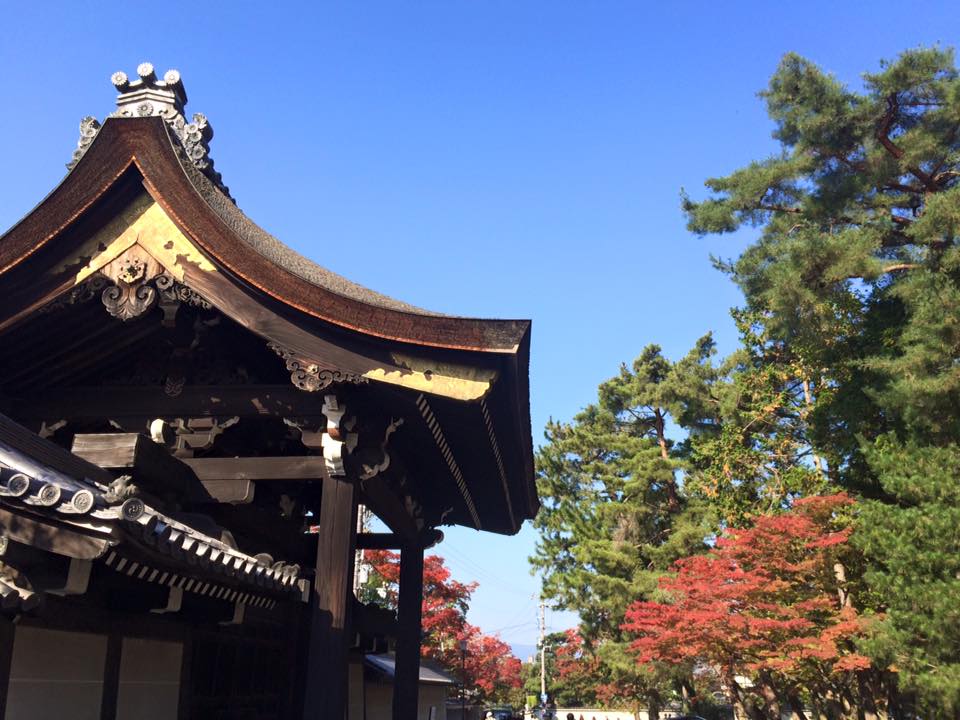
column 595, row 714
column 380, row 702
column 149, row 680
column 56, row 674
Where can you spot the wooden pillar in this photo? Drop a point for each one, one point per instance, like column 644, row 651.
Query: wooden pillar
column 6, row 658
column 325, row 692
column 111, row 677
column 406, row 680
column 185, row 701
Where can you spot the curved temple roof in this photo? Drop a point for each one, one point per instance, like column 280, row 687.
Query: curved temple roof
column 144, row 179
column 149, row 131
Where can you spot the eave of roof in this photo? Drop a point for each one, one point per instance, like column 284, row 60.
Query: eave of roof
column 44, row 480
column 144, row 150
column 386, row 665
column 214, row 223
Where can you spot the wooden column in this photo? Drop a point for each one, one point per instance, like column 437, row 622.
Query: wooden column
column 6, row 658
column 406, row 680
column 325, row 692
column 185, row 701
column 111, row 677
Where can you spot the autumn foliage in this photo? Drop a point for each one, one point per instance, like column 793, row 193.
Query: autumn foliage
column 768, row 602
column 489, row 669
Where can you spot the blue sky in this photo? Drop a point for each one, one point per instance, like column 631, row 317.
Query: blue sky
column 512, row 159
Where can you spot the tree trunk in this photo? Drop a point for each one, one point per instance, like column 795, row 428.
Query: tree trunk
column 868, row 704
column 840, row 574
column 653, row 706
column 895, row 704
column 808, row 398
column 743, row 706
column 660, row 423
column 687, row 695
column 838, row 705
column 818, row 712
column 796, row 705
column 770, row 699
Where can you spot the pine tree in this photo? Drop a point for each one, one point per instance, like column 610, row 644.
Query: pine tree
column 614, row 516
column 856, row 275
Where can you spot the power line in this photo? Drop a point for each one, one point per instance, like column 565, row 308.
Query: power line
column 483, row 576
column 515, row 621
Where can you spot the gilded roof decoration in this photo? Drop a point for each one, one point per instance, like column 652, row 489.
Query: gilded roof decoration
column 147, row 96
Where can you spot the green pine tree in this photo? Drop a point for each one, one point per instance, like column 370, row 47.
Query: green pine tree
column 614, row 514
column 856, row 276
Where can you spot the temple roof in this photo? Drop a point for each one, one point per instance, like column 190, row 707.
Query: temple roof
column 287, row 258
column 54, row 501
column 143, row 216
column 149, row 131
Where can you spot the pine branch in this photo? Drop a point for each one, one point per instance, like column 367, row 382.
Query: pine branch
column 898, row 267
column 780, row 208
column 883, row 136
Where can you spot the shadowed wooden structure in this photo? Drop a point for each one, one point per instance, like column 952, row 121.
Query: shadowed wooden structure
column 192, row 414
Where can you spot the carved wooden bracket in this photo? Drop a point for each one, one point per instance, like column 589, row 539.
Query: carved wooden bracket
column 131, row 295
column 131, row 285
column 84, row 292
column 379, row 465
column 311, row 376
column 187, row 435
column 336, row 442
column 172, row 295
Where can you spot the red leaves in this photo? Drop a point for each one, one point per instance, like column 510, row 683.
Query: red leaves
column 573, row 662
column 489, row 666
column 765, row 597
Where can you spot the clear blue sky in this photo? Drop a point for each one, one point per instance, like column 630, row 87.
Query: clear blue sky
column 513, row 159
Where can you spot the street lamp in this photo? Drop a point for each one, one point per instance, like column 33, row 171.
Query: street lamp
column 463, row 679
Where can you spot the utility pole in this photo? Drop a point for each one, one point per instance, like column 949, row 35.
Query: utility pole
column 543, row 654
column 359, row 571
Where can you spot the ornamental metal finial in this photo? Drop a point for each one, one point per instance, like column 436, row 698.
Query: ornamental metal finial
column 148, row 96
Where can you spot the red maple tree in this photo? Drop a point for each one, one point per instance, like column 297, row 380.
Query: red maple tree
column 578, row 670
column 768, row 602
column 488, row 667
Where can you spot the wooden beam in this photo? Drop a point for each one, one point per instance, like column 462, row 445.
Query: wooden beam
column 325, row 692
column 231, row 492
column 406, row 679
column 225, row 480
column 387, row 505
column 122, row 403
column 379, row 541
column 44, row 453
column 152, row 466
column 296, row 467
column 52, row 537
column 391, row 541
column 231, row 480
